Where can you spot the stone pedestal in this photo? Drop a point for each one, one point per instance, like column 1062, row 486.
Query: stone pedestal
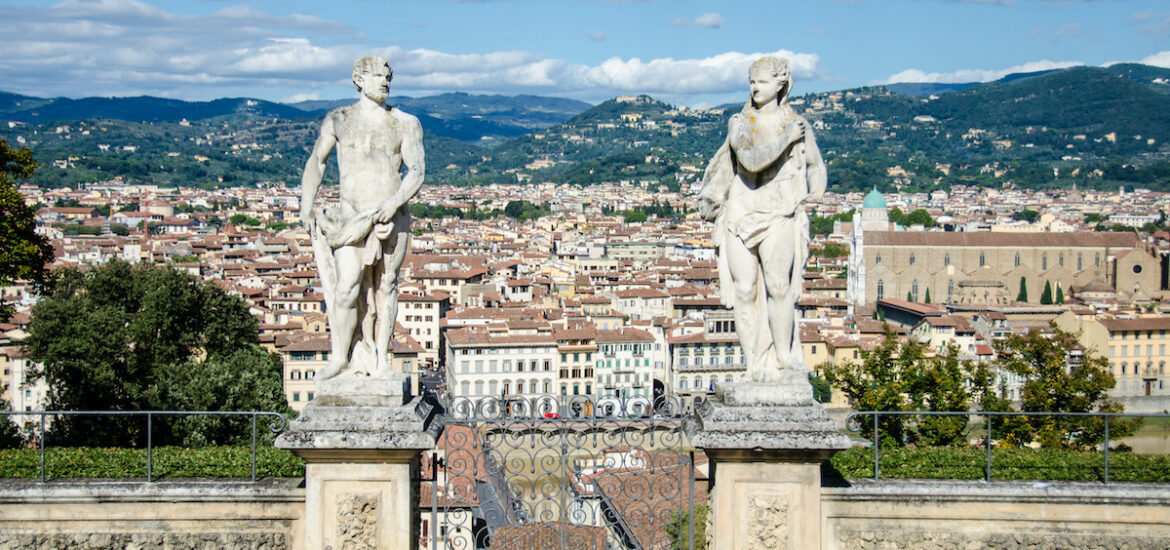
column 766, row 443
column 361, row 445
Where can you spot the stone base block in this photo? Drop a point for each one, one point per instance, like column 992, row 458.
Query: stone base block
column 348, row 389
column 765, row 506
column 359, row 506
column 758, row 417
column 323, row 427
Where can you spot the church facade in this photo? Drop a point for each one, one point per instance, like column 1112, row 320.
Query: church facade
column 989, row 268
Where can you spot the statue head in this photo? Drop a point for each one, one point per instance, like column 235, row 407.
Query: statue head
column 372, row 75
column 770, row 80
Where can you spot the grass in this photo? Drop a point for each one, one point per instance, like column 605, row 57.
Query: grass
column 167, row 462
column 1006, row 464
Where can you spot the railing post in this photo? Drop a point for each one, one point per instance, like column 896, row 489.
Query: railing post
column 253, row 446
column 149, row 448
column 42, row 446
column 877, row 462
column 987, row 471
column 691, row 505
column 1106, row 449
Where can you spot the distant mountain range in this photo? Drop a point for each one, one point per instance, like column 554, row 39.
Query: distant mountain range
column 1093, row 126
column 455, row 115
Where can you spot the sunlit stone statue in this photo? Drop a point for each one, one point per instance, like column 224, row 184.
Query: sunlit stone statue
column 361, row 242
column 755, row 190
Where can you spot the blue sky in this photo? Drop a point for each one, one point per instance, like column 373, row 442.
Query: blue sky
column 682, row 51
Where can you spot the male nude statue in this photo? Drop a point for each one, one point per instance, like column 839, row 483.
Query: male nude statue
column 755, row 189
column 360, row 243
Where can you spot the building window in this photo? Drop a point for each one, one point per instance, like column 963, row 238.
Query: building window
column 296, row 396
column 1044, row 261
column 947, row 259
column 911, row 258
column 1017, row 259
column 1060, row 259
column 982, row 260
column 878, row 259
column 1080, row 259
column 914, row 291
column 950, row 289
column 881, row 293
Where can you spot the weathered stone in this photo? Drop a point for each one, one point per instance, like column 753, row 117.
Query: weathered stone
column 755, row 423
column 322, row 426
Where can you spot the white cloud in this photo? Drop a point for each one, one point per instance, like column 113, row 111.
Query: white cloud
column 124, row 47
column 975, row 75
column 596, row 36
column 708, row 20
column 1160, row 59
column 297, row 98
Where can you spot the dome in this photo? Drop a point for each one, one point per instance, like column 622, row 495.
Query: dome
column 874, row 200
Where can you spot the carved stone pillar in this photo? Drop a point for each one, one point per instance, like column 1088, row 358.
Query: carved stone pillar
column 361, row 447
column 766, row 443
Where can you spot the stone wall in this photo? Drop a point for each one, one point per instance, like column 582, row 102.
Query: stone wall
column 171, row 515
column 933, row 515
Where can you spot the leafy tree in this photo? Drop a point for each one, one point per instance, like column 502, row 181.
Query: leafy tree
column 237, row 219
column 899, row 377
column 831, row 250
column 1023, row 295
column 633, row 216
column 1053, row 382
column 1046, row 296
column 9, row 432
column 23, row 253
column 822, row 392
column 1094, row 218
column 1026, row 215
column 143, row 337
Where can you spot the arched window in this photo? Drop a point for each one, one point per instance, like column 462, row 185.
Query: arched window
column 911, row 258
column 982, row 260
column 1060, row 259
column 947, row 259
column 914, row 290
column 1044, row 261
column 1017, row 259
column 878, row 259
column 950, row 289
column 1080, row 262
column 881, row 290
column 1098, row 260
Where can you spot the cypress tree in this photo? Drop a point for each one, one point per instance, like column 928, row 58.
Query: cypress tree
column 1059, row 294
column 1046, row 296
column 1023, row 295
column 928, row 295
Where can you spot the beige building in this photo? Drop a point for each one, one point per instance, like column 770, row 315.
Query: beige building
column 1136, row 349
column 981, row 267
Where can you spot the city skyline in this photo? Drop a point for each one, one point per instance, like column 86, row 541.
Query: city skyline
column 690, row 53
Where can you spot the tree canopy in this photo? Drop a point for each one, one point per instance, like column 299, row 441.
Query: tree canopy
column 145, row 337
column 23, row 253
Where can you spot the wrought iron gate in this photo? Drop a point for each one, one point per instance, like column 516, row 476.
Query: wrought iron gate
column 560, row 473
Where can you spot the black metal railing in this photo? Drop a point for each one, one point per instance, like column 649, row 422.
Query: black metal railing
column 277, row 425
column 854, row 422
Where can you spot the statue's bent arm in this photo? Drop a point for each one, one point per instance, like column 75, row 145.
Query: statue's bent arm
column 413, row 160
column 755, row 152
column 315, row 170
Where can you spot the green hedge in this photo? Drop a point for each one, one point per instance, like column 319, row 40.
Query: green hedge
column 168, row 462
column 1006, row 464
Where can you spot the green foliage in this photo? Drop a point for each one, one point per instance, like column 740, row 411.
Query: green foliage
column 822, row 392
column 276, row 226
column 917, row 217
column 145, row 337
column 927, row 300
column 1026, row 215
column 679, row 529
column 633, row 216
column 1059, row 294
column 237, row 219
column 167, row 462
column 1046, row 296
column 1007, row 464
column 1023, row 294
column 900, row 377
column 819, row 225
column 1094, row 218
column 831, row 250
column 524, row 210
column 23, row 253
column 1053, row 384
